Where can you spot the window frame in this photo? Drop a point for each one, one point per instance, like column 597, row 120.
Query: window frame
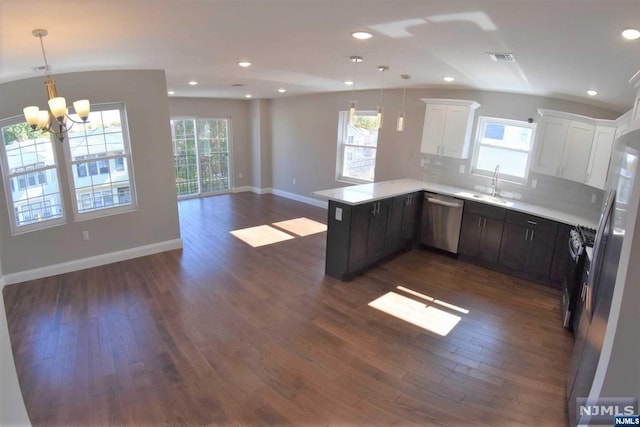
column 480, row 126
column 8, row 178
column 343, row 124
column 113, row 209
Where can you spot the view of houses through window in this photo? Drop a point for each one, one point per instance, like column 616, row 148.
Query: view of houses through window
column 201, row 155
column 98, row 161
column 357, row 147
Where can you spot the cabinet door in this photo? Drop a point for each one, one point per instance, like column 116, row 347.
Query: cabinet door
column 471, row 235
column 454, row 139
column 540, row 254
column 394, row 224
column 560, row 257
column 550, row 145
column 410, row 218
column 433, row 128
column 600, row 156
column 577, row 148
column 491, row 239
column 359, row 235
column 514, row 247
column 378, row 217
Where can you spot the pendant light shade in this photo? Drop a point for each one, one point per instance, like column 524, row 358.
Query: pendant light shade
column 400, row 124
column 352, row 103
column 381, row 68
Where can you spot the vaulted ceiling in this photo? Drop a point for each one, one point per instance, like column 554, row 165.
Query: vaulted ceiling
column 562, row 48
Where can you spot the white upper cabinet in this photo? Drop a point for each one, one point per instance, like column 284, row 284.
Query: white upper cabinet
column 447, row 127
column 564, row 145
column 600, row 155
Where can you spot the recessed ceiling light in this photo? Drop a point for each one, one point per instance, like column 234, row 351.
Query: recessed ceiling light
column 448, row 79
column 356, row 59
column 361, row 35
column 193, row 82
column 244, row 64
column 282, row 90
column 592, row 92
column 248, row 95
column 348, row 83
column 171, row 92
column 631, row 34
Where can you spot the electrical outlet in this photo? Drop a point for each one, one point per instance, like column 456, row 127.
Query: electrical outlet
column 534, row 183
column 240, row 175
column 338, row 214
column 421, row 163
column 85, row 235
column 294, row 181
column 461, row 169
column 593, row 198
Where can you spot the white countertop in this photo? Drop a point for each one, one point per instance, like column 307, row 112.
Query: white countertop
column 358, row 194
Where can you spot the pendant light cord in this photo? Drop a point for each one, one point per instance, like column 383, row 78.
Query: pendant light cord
column 47, row 70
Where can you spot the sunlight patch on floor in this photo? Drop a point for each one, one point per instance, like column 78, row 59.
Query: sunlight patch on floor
column 437, row 301
column 301, row 226
column 261, row 235
column 417, row 313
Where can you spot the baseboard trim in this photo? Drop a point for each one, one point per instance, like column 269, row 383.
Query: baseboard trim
column 244, row 189
column 300, row 198
column 94, row 261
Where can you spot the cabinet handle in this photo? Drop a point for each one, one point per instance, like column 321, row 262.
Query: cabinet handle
column 532, row 233
column 479, row 219
column 526, row 235
column 484, row 224
column 532, row 222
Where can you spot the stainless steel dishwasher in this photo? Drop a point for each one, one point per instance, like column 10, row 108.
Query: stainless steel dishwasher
column 441, row 221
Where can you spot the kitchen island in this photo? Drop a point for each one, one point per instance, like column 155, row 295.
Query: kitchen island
column 368, row 223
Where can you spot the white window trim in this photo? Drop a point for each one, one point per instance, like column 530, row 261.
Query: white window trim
column 482, row 120
column 116, row 210
column 6, row 178
column 343, row 118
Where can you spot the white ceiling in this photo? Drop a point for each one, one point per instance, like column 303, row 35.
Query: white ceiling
column 562, row 47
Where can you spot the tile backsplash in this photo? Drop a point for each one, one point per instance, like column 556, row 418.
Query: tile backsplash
column 550, row 192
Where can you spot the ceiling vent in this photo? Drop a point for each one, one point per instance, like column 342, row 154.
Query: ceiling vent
column 502, row 57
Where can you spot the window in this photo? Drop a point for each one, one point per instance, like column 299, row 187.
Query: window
column 505, row 143
column 104, row 141
column 30, row 173
column 357, row 147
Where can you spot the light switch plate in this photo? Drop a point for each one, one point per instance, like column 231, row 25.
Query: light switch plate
column 421, row 163
column 338, row 214
column 593, row 198
column 461, row 169
column 534, row 183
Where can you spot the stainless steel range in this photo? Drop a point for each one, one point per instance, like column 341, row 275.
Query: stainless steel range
column 579, row 239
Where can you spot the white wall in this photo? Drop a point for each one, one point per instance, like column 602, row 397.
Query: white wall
column 12, row 409
column 156, row 219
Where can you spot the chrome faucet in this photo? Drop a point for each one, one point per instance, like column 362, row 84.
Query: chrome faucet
column 494, row 181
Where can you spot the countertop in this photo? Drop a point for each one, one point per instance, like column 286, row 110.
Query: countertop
column 364, row 193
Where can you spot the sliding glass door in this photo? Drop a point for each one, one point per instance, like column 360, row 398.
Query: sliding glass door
column 201, row 156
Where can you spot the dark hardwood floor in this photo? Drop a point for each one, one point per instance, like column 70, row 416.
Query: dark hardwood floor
column 221, row 333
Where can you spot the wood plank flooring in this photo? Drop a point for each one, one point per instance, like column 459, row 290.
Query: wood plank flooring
column 221, row 333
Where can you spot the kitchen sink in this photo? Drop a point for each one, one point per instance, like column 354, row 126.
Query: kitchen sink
column 486, row 198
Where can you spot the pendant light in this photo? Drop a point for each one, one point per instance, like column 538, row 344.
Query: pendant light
column 400, row 125
column 382, row 68
column 352, row 103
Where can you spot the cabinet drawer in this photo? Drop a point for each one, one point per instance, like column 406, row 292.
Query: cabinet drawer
column 484, row 210
column 532, row 222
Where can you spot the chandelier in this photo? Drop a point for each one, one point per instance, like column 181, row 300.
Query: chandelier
column 56, row 120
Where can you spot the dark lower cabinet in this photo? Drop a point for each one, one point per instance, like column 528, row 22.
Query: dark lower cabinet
column 358, row 236
column 527, row 246
column 481, row 233
column 560, row 257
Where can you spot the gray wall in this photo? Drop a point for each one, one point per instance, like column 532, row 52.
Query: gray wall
column 156, row 219
column 260, row 124
column 239, row 113
column 305, row 140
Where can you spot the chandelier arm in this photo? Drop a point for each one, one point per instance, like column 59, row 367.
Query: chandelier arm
column 74, row 121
